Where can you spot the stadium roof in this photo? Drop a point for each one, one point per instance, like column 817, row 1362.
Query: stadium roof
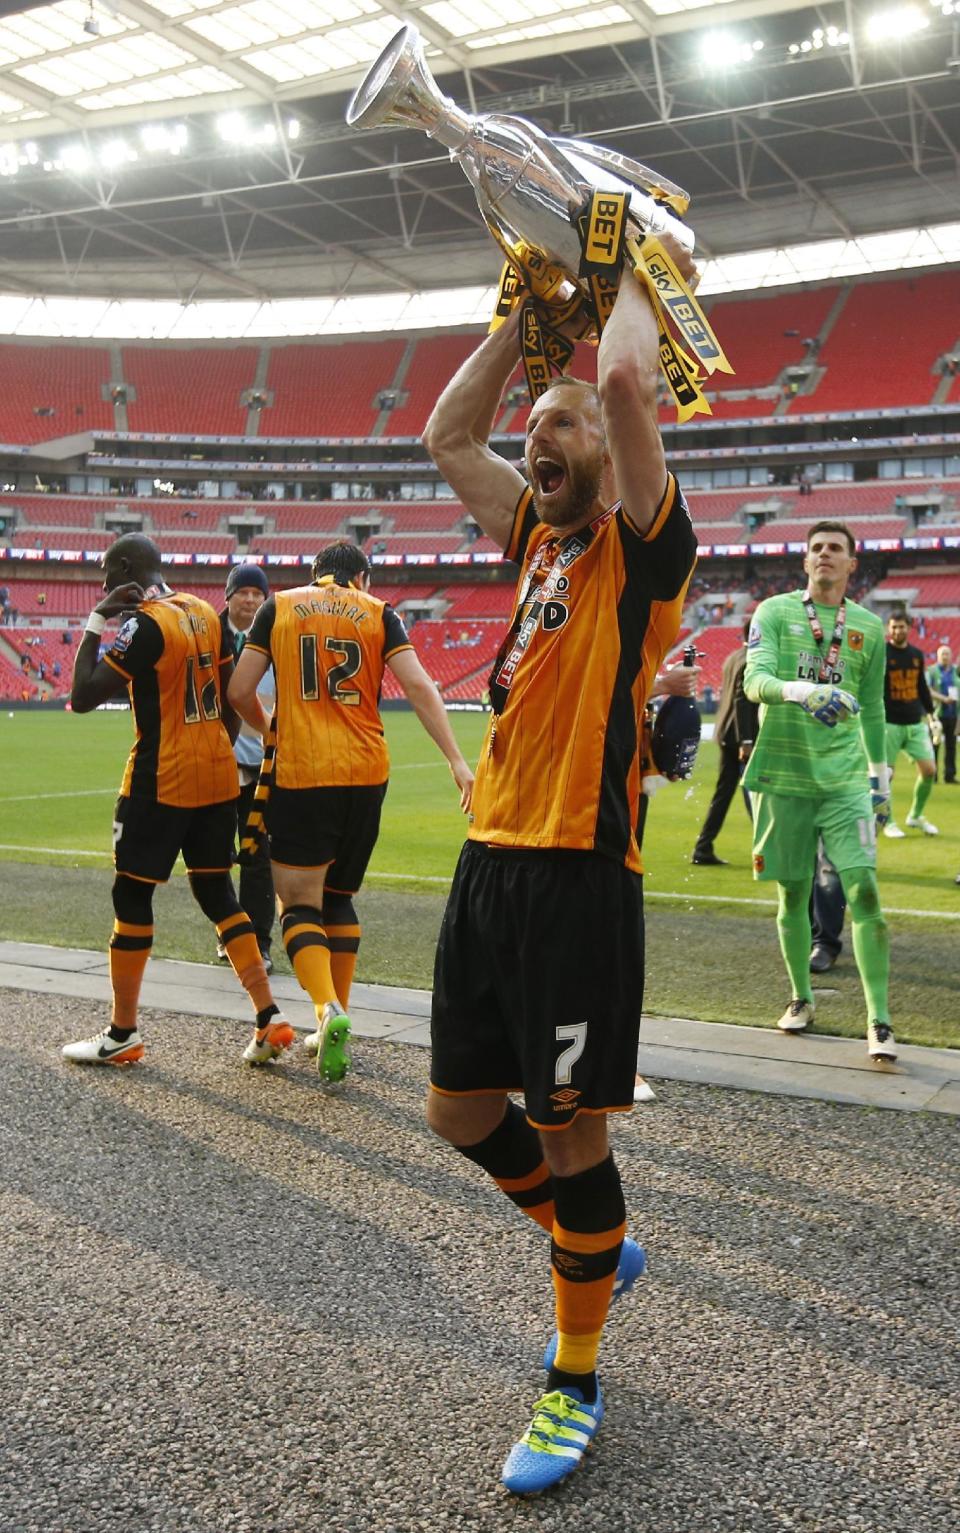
column 184, row 150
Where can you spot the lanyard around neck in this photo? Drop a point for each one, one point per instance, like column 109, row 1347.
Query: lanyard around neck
column 829, row 660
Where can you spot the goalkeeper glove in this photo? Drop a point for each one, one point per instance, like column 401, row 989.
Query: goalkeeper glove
column 829, row 705
column 936, row 731
column 880, row 793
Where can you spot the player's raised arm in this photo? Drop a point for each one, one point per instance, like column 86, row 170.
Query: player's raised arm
column 94, row 681
column 458, row 432
column 425, row 700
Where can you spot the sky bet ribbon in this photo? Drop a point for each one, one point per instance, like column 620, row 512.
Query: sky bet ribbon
column 603, row 227
column 671, row 296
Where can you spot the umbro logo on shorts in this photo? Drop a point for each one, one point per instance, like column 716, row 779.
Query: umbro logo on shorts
column 564, row 1098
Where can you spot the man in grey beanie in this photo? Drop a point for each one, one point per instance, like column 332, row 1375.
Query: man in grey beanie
column 247, row 590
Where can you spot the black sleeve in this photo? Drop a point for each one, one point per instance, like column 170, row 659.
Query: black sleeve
column 261, row 629
column 137, row 647
column 394, row 634
column 226, row 640
column 525, row 519
column 746, row 714
column 925, row 696
column 662, row 559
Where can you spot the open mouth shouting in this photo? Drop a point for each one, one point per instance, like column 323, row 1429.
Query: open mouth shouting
column 550, row 476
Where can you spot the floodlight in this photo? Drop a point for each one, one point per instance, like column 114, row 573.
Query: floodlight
column 293, row 128
column 74, row 158
column 722, row 50
column 890, row 25
column 116, row 152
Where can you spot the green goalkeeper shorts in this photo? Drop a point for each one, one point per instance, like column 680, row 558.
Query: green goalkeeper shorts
column 787, row 828
column 913, row 739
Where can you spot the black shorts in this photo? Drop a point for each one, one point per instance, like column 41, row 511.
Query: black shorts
column 538, row 982
column 148, row 836
column 310, row 826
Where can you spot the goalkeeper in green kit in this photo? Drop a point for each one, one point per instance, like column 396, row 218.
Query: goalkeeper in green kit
column 816, row 663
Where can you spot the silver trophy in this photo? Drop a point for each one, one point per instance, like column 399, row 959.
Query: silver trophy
column 530, row 188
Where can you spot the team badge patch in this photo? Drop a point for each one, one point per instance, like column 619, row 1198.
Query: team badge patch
column 758, row 862
column 855, row 639
column 125, row 637
column 754, row 636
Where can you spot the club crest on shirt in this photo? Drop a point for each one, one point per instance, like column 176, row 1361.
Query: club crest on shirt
column 125, row 637
column 758, row 863
column 855, row 639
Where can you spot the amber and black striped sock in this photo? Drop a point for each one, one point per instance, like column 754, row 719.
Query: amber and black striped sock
column 308, row 950
column 240, row 944
column 344, row 946
column 587, row 1235
column 513, row 1156
column 129, row 953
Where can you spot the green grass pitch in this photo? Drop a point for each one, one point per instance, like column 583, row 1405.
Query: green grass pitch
column 712, row 947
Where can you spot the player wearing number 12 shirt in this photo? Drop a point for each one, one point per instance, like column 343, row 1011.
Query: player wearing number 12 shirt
column 179, row 788
column 326, row 767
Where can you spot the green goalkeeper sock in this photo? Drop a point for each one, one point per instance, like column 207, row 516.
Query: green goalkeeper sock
column 793, row 929
column 871, row 941
column 921, row 792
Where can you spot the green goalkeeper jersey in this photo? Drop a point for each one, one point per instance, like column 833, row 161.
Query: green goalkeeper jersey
column 794, row 752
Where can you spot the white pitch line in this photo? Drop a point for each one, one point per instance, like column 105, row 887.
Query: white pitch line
column 29, row 798
column 438, row 878
column 54, row 851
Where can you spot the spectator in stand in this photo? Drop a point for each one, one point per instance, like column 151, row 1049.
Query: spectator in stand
column 943, row 679
column 55, row 673
column 41, row 598
column 66, row 637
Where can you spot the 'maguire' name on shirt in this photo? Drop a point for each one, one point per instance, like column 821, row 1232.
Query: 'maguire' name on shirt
column 331, row 607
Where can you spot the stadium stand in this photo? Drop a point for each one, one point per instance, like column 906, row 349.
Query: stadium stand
column 716, row 644
column 51, row 511
column 480, row 601
column 415, row 543
column 72, row 538
column 13, row 683
column 883, row 347
column 191, row 515
column 328, row 390
column 290, row 516
column 435, row 360
column 453, row 652
column 763, row 335
column 43, row 645
column 785, row 531
column 67, row 383
column 922, row 589
column 196, row 390
column 432, row 516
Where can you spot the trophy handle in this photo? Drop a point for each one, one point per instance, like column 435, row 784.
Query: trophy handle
column 399, row 91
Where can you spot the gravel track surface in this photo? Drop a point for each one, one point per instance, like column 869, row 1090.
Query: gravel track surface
column 231, row 1302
